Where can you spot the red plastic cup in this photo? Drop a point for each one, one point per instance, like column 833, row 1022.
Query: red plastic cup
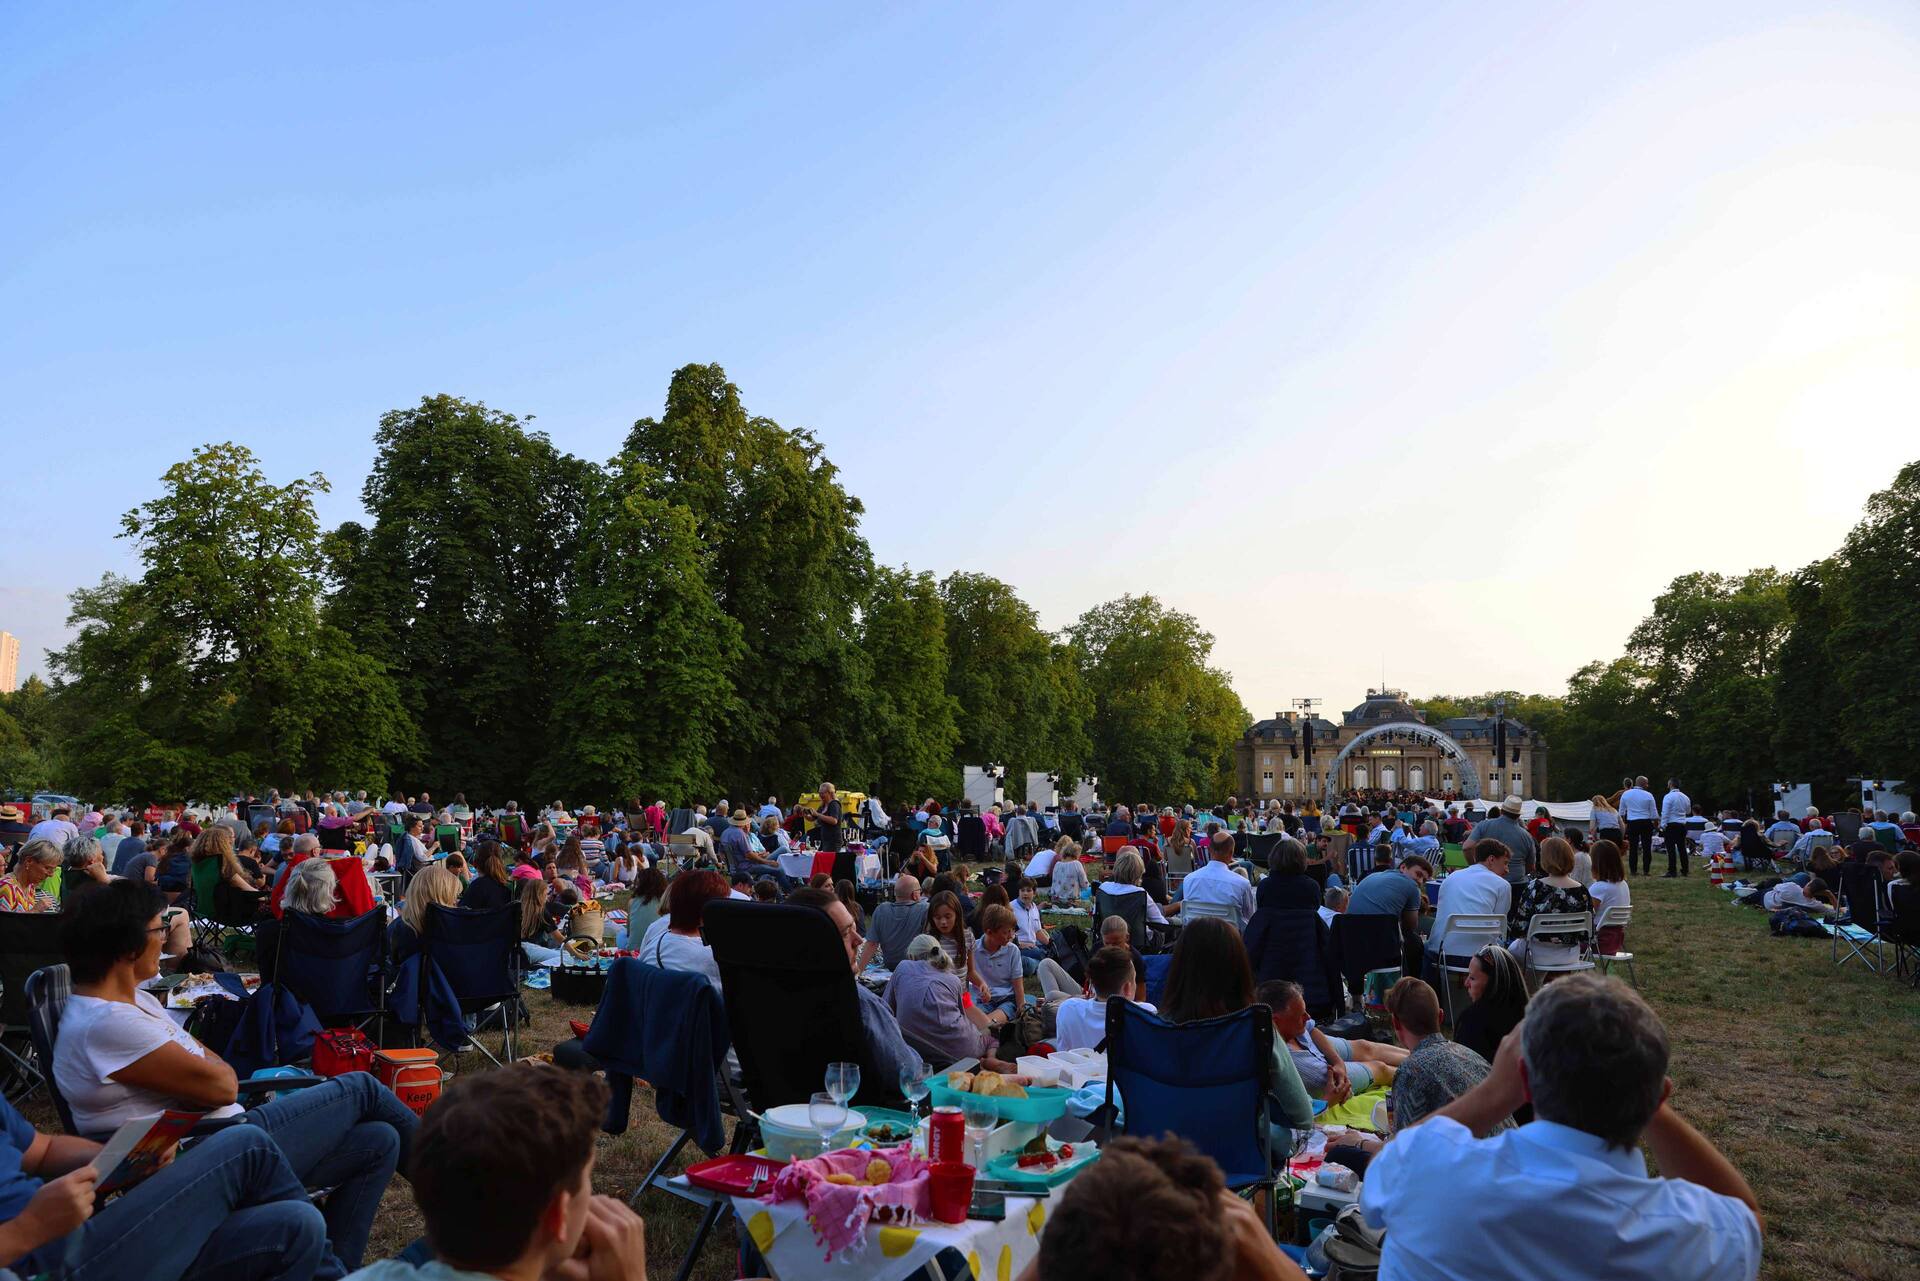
column 950, row 1190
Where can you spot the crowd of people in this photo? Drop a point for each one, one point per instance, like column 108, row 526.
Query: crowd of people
column 1558, row 1079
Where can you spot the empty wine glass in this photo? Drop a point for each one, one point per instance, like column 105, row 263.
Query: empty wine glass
column 914, row 1087
column 980, row 1118
column 843, row 1081
column 828, row 1115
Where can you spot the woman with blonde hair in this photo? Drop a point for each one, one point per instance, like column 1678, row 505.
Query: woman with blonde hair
column 434, row 886
column 1605, row 825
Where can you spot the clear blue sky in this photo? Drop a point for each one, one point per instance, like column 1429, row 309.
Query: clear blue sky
column 1424, row 339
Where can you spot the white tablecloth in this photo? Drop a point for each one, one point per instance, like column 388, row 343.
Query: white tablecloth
column 798, row 866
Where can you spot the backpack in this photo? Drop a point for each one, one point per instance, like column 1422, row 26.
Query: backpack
column 1067, row 944
column 1791, row 922
column 1351, row 1248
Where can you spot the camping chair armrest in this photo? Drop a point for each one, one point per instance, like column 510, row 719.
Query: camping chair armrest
column 274, row 1084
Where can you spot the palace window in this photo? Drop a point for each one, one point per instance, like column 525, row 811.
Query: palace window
column 1417, row 779
column 1360, row 776
column 1266, row 781
column 1286, row 784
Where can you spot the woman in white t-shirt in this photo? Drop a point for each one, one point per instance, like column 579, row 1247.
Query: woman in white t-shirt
column 120, row 1057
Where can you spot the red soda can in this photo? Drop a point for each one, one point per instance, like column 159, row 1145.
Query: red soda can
column 947, row 1135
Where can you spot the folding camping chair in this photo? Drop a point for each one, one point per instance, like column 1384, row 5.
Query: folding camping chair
column 1610, row 916
column 479, row 952
column 1362, row 944
column 1546, row 923
column 1864, row 903
column 1131, row 908
column 1901, row 927
column 792, row 1003
column 338, row 968
column 28, row 942
column 1466, row 934
column 1205, row 1082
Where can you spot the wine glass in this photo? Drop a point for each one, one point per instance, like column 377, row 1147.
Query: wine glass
column 914, row 1086
column 843, row 1081
column 828, row 1115
column 980, row 1118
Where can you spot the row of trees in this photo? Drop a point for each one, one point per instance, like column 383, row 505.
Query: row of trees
column 700, row 614
column 1734, row 682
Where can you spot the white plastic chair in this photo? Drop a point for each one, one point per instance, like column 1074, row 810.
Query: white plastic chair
column 1614, row 914
column 1467, row 933
column 1560, row 923
column 1190, row 910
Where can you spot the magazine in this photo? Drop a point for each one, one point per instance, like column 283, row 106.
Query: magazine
column 136, row 1148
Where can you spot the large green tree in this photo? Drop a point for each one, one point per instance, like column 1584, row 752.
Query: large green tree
column 904, row 630
column 1610, row 728
column 29, row 759
column 212, row 672
column 787, row 562
column 1164, row 721
column 1710, row 646
column 1022, row 703
column 1809, row 708
column 645, row 658
column 1875, row 641
column 460, row 583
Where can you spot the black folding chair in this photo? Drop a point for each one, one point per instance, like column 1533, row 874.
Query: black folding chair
column 792, row 1007
column 1131, row 908
column 28, row 942
column 479, row 952
column 1364, row 943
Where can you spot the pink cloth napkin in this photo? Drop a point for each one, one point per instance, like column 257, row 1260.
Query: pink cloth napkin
column 839, row 1212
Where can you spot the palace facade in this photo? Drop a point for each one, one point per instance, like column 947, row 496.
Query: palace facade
column 1270, row 765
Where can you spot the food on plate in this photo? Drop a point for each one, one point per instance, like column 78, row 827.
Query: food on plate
column 844, row 1180
column 887, row 1132
column 1044, row 1160
column 993, row 1085
column 960, row 1082
column 879, row 1170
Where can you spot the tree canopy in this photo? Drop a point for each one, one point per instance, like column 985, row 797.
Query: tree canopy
column 702, row 614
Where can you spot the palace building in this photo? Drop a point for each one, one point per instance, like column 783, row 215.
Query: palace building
column 1270, row 765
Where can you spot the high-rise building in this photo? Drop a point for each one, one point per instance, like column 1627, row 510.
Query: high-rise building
column 9, row 662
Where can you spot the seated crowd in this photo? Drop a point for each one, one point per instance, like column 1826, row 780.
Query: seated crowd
column 1553, row 1089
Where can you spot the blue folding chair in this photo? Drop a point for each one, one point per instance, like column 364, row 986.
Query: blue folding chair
column 337, row 968
column 479, row 954
column 1205, row 1082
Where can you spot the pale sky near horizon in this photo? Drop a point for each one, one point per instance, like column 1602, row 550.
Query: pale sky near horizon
column 1426, row 341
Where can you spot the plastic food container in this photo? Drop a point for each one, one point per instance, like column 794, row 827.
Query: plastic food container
column 1040, row 1106
column 789, row 1132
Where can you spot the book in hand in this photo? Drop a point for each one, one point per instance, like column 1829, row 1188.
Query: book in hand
column 137, row 1148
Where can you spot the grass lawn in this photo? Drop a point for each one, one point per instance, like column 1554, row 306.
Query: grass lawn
column 1795, row 1068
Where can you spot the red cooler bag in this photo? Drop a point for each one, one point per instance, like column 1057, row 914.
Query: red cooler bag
column 340, row 1050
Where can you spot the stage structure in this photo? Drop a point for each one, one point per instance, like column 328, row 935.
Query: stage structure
column 981, row 785
column 1043, row 789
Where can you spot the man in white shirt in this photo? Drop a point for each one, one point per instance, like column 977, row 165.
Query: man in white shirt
column 1568, row 1194
column 1039, row 868
column 1479, row 889
column 1081, row 1023
column 1641, row 813
column 1674, row 808
column 1217, row 882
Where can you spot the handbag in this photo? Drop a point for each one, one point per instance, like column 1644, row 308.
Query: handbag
column 339, row 1050
column 1352, row 1248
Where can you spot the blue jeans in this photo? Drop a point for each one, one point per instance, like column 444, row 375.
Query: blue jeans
column 348, row 1135
column 228, row 1209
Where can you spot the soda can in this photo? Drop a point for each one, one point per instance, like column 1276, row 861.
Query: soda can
column 947, row 1135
